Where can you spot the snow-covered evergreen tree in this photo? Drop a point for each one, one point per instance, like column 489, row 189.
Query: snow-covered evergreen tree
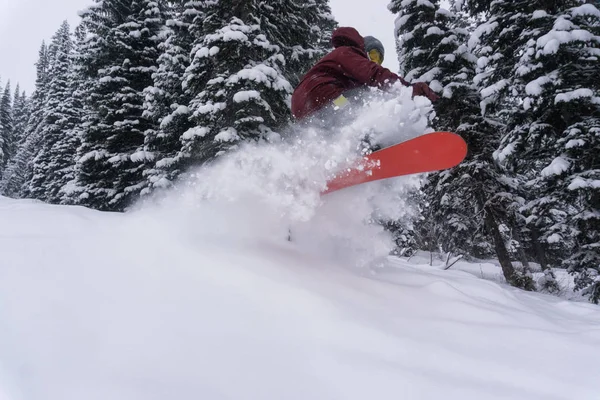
column 416, row 34
column 236, row 79
column 20, row 117
column 19, row 170
column 120, row 57
column 6, row 128
column 1, row 143
column 55, row 159
column 80, row 84
column 498, row 42
column 466, row 207
column 166, row 101
column 554, row 135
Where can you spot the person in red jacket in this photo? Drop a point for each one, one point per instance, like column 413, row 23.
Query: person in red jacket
column 346, row 68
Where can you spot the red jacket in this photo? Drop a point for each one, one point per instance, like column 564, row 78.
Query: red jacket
column 347, row 67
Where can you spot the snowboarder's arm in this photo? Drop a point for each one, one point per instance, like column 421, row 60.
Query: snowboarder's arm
column 422, row 89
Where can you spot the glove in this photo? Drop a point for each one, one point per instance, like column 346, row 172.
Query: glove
column 421, row 89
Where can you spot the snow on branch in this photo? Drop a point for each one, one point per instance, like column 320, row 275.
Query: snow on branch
column 572, row 95
column 556, row 167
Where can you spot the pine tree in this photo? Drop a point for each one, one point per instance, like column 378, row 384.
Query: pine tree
column 54, row 161
column 416, row 34
column 6, row 128
column 79, row 85
column 236, row 79
column 166, row 101
column 1, row 142
column 120, row 57
column 554, row 135
column 19, row 169
column 467, row 206
column 496, row 41
column 20, row 117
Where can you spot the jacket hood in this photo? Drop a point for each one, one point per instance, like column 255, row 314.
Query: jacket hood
column 347, row 37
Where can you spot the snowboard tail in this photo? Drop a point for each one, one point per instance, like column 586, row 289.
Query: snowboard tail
column 430, row 152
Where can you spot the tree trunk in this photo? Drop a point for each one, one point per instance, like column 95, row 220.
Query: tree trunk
column 540, row 254
column 549, row 283
column 520, row 250
column 507, row 268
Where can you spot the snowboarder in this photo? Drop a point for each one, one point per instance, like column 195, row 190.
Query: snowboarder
column 354, row 63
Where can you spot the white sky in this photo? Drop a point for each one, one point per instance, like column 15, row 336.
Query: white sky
column 25, row 23
column 23, row 26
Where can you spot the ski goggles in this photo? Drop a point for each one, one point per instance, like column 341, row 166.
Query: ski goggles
column 375, row 56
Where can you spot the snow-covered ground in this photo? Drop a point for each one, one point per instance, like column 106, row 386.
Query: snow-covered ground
column 110, row 306
column 491, row 270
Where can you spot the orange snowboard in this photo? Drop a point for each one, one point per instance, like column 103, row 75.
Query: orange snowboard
column 430, row 152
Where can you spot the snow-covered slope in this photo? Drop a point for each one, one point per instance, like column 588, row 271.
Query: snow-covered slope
column 146, row 306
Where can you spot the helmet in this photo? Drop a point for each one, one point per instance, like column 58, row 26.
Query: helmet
column 375, row 49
